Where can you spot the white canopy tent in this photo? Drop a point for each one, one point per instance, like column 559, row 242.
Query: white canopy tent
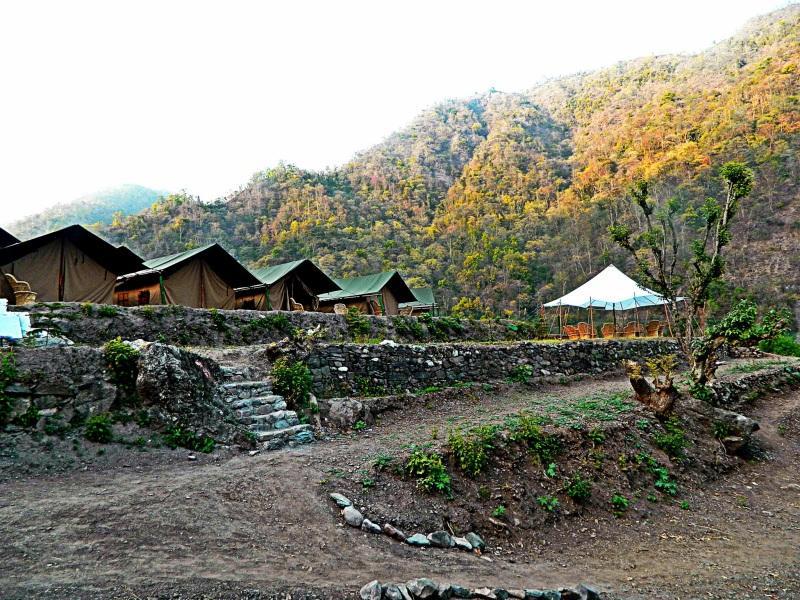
column 610, row 290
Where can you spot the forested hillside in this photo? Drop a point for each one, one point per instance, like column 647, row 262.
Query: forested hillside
column 99, row 208
column 503, row 200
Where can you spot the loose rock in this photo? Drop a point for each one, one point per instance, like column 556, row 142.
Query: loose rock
column 422, row 588
column 370, row 527
column 486, row 593
column 392, row 592
column 371, row 591
column 475, row 540
column 462, row 544
column 588, row 593
column 418, row 539
column 352, row 517
column 341, row 501
column 394, row 533
column 441, row 539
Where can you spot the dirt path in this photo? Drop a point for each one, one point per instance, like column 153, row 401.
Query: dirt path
column 227, row 528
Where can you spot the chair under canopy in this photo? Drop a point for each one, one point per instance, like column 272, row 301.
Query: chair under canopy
column 610, row 289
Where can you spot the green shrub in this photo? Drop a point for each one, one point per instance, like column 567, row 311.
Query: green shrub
column 278, row 321
column 359, row 426
column 29, row 418
column 121, row 361
column 663, row 481
column 99, row 428
column 673, row 440
column 175, row 437
column 219, row 320
column 292, row 380
column 528, row 430
column 472, row 448
column 54, row 425
column 499, row 512
column 8, row 374
column 409, row 326
column 107, row 311
column 579, row 489
column 357, row 323
column 87, row 309
column 785, row 344
column 597, row 436
column 429, row 471
column 619, row 503
column 521, row 374
column 549, row 503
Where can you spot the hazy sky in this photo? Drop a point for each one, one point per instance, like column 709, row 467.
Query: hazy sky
column 200, row 95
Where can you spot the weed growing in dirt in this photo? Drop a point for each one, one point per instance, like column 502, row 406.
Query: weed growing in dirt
column 549, row 503
column 663, row 481
column 99, row 429
column 499, row 512
column 382, row 461
column 721, row 430
column 292, row 380
column 429, row 471
column 521, row 374
column 175, row 437
column 8, row 374
column 673, row 441
column 620, row 504
column 107, row 311
column 684, row 505
column 472, row 448
column 597, row 436
column 579, row 489
column 359, row 426
column 551, row 471
column 29, row 418
column 527, row 430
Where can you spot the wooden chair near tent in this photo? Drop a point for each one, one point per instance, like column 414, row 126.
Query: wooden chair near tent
column 296, row 306
column 608, row 330
column 22, row 290
column 584, row 330
column 654, row 328
column 572, row 332
column 632, row 329
column 407, row 312
column 376, row 308
column 340, row 309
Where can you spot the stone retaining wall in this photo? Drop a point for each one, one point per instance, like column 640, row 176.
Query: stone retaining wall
column 735, row 393
column 96, row 324
column 345, row 369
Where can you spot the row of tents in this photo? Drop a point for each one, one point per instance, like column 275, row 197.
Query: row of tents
column 75, row 265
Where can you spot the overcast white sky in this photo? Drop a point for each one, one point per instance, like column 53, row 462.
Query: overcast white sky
column 200, row 95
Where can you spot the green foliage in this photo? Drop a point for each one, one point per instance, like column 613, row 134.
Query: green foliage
column 521, row 373
column 673, row 441
column 684, row 505
column 579, row 489
column 359, row 426
column 357, row 323
column 499, row 512
column 429, row 471
column 8, row 375
column 269, row 322
column 543, row 446
column 551, row 471
column 106, row 310
column 218, row 319
column 619, row 503
column 177, row 436
column 472, row 448
column 87, row 309
column 29, row 418
column 382, row 461
column 121, row 360
column 663, row 481
column 596, row 435
column 293, row 381
column 55, row 425
column 99, row 428
column 549, row 503
column 784, row 344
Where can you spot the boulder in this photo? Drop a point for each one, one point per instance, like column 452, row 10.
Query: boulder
column 588, row 593
column 462, row 544
column 485, row 593
column 394, row 533
column 542, row 595
column 418, row 539
column 371, row 591
column 370, row 527
column 392, row 592
column 352, row 517
column 458, row 591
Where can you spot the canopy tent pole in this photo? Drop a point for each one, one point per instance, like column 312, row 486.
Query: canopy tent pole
column 560, row 321
column 669, row 320
column 614, row 313
column 591, row 319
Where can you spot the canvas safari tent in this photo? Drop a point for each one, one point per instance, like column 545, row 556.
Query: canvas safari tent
column 424, row 303
column 300, row 281
column 69, row 265
column 379, row 293
column 204, row 277
column 6, row 239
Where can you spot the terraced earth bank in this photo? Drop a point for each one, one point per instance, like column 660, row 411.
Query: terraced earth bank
column 132, row 524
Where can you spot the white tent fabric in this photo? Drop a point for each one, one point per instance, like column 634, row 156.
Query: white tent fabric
column 610, row 289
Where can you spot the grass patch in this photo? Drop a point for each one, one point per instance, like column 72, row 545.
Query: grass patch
column 429, row 471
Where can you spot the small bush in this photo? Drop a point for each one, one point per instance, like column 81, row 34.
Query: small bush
column 579, row 489
column 597, row 436
column 673, row 440
column 219, row 320
column 499, row 512
column 619, row 503
column 528, row 430
column 785, row 345
column 8, row 374
column 357, row 323
column 107, row 311
column 359, row 426
column 472, row 449
column 549, row 503
column 429, row 471
column 87, row 309
column 29, row 418
column 99, row 429
column 121, row 360
column 292, row 380
column 663, row 481
column 521, row 374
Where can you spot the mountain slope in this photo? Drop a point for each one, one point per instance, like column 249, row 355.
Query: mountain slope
column 99, row 207
column 503, row 200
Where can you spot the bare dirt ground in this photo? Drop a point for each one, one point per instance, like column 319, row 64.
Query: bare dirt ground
column 262, row 526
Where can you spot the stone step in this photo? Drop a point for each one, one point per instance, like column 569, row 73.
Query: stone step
column 297, row 434
column 257, row 401
column 246, row 389
column 279, row 419
column 257, row 407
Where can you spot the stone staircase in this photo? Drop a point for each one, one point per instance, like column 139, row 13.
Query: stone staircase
column 263, row 412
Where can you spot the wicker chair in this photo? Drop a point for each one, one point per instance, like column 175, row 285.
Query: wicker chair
column 572, row 332
column 295, row 306
column 632, row 329
column 584, row 330
column 340, row 309
column 22, row 291
column 608, row 330
column 654, row 328
column 376, row 308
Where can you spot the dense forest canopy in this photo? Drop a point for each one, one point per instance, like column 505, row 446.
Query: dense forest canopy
column 503, row 200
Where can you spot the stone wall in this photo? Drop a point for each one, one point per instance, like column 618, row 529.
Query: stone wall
column 734, row 393
column 344, row 369
column 96, row 324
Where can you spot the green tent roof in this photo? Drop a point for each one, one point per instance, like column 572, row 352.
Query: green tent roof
column 370, row 285
column 162, row 263
column 227, row 267
column 424, row 298
column 314, row 277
